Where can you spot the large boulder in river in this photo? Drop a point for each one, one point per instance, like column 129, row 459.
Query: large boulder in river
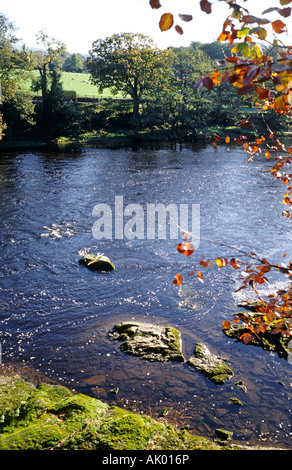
column 214, row 367
column 97, row 262
column 152, row 342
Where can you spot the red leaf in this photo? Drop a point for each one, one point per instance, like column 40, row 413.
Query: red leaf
column 185, row 17
column 246, row 338
column 245, row 90
column 206, row 6
column 179, row 29
column 155, row 3
column 208, row 83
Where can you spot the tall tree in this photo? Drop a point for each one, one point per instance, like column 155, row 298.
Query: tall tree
column 52, row 48
column 131, row 64
column 14, row 65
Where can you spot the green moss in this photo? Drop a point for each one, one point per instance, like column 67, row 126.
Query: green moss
column 51, row 417
column 214, row 367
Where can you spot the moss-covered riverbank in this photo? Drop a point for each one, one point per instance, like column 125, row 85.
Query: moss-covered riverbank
column 51, row 417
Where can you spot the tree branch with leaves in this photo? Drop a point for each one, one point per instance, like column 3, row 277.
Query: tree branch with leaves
column 269, row 78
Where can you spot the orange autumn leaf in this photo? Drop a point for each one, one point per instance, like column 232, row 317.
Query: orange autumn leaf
column 189, row 249
column 200, row 276
column 220, row 262
column 216, row 77
column 234, row 263
column 203, row 263
column 166, row 21
column 226, row 325
column 227, row 139
column 178, row 280
column 280, row 104
column 186, row 248
column 278, row 26
column 180, row 247
column 267, row 154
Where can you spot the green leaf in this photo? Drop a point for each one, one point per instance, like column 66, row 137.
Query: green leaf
column 243, row 32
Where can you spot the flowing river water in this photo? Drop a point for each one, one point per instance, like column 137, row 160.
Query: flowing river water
column 55, row 314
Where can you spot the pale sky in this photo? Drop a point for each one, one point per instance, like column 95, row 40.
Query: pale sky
column 80, row 22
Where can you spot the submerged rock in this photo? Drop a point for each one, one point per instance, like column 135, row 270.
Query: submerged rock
column 97, row 263
column 152, row 342
column 210, row 365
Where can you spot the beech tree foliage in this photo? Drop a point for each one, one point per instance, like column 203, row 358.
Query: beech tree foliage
column 253, row 70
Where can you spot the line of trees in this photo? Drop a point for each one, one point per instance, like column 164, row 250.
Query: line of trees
column 158, row 85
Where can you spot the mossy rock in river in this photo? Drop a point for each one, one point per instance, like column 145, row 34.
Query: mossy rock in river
column 97, row 262
column 152, row 342
column 214, row 367
column 52, row 417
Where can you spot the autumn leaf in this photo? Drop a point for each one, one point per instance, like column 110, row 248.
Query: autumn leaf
column 267, row 154
column 216, row 77
column 186, row 248
column 280, row 104
column 185, row 17
column 200, row 276
column 203, row 263
column 220, row 262
column 278, row 26
column 234, row 263
column 262, row 93
column 189, row 249
column 155, row 3
column 180, row 247
column 285, row 2
column 166, row 21
column 226, row 325
column 206, row 6
column 227, row 139
column 246, row 338
column 178, row 280
column 208, row 83
column 179, row 29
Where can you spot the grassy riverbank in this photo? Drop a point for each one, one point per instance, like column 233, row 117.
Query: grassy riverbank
column 115, row 137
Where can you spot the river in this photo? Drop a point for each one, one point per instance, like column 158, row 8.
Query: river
column 55, row 314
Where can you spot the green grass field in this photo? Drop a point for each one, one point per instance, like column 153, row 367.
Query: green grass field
column 79, row 82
